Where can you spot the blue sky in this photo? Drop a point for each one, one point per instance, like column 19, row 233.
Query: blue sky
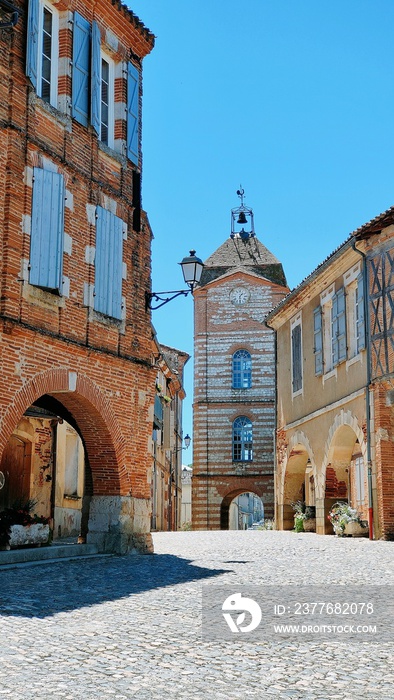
column 292, row 98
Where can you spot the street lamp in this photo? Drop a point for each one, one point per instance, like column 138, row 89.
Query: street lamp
column 174, row 480
column 192, row 268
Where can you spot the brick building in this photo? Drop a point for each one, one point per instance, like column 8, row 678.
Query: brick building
column 234, row 375
column 166, row 479
column 76, row 338
column 335, row 369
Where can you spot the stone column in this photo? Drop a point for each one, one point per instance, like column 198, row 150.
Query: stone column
column 320, row 516
column 120, row 524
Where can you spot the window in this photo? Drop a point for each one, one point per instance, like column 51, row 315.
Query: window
column 338, row 327
column 107, row 102
column 296, row 354
column 326, row 302
column 47, row 230
column 242, row 370
column 108, row 264
column 242, row 439
column 43, row 49
column 353, row 280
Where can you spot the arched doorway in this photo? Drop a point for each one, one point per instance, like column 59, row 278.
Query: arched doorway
column 74, row 402
column 345, row 473
column 298, row 484
column 240, row 509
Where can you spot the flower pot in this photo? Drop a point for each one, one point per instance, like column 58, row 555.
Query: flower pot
column 22, row 535
column 310, row 525
column 355, row 529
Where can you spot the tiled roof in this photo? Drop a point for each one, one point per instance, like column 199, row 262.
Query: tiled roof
column 146, row 33
column 376, row 224
column 250, row 255
column 236, row 252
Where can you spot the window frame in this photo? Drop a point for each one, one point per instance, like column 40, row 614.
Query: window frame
column 54, row 66
column 242, row 447
column 295, row 323
column 243, row 373
column 34, row 48
column 110, row 141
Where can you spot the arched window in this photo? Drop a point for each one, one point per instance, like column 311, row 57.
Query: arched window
column 242, row 439
column 242, row 370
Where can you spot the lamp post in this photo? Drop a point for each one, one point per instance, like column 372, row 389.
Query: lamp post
column 174, row 471
column 192, row 268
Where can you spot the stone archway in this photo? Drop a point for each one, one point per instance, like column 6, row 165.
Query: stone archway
column 112, row 508
column 345, row 451
column 228, row 499
column 297, row 480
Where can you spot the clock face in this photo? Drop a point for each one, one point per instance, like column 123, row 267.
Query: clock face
column 239, row 295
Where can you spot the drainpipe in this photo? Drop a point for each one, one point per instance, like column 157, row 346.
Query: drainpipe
column 367, row 392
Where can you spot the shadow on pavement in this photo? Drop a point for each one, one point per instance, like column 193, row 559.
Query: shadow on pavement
column 42, row 591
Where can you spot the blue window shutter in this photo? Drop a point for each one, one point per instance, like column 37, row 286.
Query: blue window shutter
column 81, row 66
column 108, row 264
column 318, row 340
column 133, row 83
column 47, row 230
column 296, row 358
column 96, row 78
column 32, row 41
column 341, row 324
column 334, row 330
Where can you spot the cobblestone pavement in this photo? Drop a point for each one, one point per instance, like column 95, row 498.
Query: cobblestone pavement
column 130, row 627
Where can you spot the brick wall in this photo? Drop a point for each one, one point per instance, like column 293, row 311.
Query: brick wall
column 98, row 368
column 221, row 328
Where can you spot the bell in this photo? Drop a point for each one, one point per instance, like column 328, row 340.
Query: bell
column 241, row 218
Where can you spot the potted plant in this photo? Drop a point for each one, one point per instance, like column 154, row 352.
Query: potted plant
column 18, row 527
column 345, row 520
column 304, row 517
column 299, row 515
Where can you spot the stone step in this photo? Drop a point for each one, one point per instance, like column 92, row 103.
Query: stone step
column 47, row 555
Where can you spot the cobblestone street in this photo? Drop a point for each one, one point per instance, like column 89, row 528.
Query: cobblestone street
column 130, row 627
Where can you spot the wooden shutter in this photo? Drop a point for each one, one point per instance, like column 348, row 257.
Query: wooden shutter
column 80, row 72
column 360, row 320
column 95, row 78
column 296, row 356
column 341, row 324
column 338, row 327
column 167, row 427
column 32, row 41
column 318, row 340
column 133, row 81
column 47, row 229
column 108, row 264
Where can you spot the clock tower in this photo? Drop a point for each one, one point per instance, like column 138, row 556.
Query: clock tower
column 234, row 375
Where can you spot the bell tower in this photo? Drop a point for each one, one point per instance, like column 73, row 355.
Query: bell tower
column 234, row 374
